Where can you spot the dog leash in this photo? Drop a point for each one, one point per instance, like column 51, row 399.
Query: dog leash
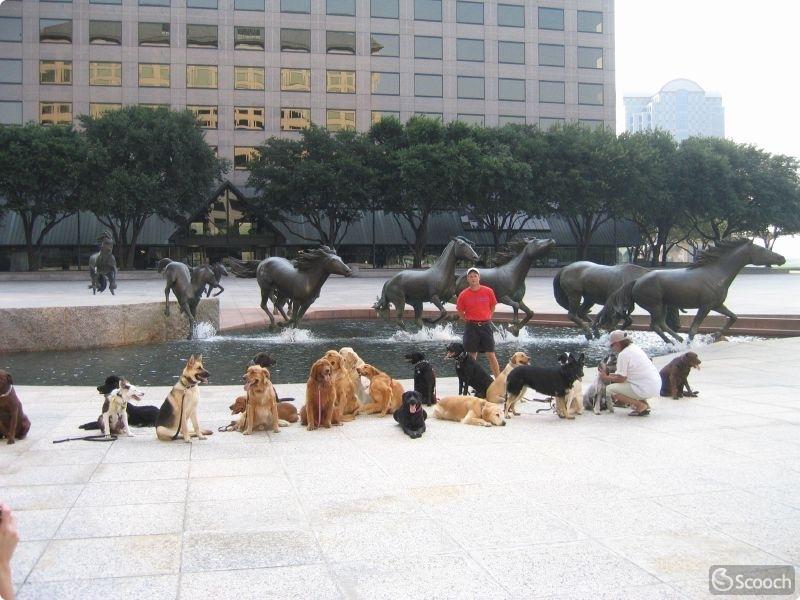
column 88, row 438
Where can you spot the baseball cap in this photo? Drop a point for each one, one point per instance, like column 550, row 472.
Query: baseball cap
column 473, row 270
column 616, row 336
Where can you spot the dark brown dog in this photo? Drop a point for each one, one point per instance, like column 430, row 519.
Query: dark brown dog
column 14, row 425
column 675, row 376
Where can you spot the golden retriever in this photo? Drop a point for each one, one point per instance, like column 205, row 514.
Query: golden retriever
column 385, row 393
column 469, row 410
column 318, row 410
column 347, row 406
column 262, row 403
column 496, row 392
column 351, row 362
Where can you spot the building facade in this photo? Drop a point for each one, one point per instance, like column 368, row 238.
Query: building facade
column 681, row 107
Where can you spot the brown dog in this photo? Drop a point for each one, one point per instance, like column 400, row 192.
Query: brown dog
column 347, row 405
column 386, row 393
column 262, row 403
column 469, row 410
column 14, row 425
column 496, row 392
column 318, row 410
column 675, row 375
column 287, row 413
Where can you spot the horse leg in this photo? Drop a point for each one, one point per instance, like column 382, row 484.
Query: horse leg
column 574, row 315
column 112, row 282
column 166, row 299
column 399, row 309
column 702, row 313
column 299, row 313
column 417, row 306
column 732, row 318
column 438, row 304
column 218, row 286
column 659, row 325
column 265, row 293
column 528, row 315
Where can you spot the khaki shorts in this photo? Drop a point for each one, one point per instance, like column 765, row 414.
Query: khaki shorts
column 623, row 388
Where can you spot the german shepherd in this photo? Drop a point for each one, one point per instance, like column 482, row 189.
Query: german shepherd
column 181, row 404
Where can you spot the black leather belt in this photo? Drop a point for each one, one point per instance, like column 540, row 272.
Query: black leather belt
column 479, row 323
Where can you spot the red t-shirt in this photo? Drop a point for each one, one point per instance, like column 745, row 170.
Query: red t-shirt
column 477, row 306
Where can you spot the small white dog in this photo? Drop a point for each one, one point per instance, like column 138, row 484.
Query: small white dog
column 118, row 407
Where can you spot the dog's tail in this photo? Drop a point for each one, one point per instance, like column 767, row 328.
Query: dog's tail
column 90, row 425
column 162, row 264
column 558, row 292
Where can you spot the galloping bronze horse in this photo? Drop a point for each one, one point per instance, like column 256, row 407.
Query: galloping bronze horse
column 103, row 266
column 188, row 286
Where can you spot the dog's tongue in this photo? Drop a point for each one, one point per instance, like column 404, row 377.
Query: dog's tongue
column 412, row 408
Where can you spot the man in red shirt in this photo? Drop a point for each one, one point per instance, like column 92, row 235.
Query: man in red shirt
column 476, row 305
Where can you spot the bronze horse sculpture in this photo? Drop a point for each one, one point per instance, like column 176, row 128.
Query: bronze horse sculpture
column 219, row 271
column 507, row 280
column 703, row 285
column 188, row 286
column 103, row 266
column 435, row 285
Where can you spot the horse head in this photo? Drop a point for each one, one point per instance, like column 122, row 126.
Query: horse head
column 763, row 256
column 535, row 247
column 463, row 249
column 334, row 264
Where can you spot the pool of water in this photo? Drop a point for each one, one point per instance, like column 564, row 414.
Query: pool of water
column 226, row 356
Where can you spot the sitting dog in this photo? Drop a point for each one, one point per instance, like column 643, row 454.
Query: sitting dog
column 675, row 376
column 318, row 410
column 573, row 404
column 550, row 381
column 262, row 404
column 180, row 405
column 138, row 416
column 469, row 410
column 411, row 416
column 351, row 362
column 287, row 413
column 595, row 396
column 496, row 392
column 14, row 425
column 117, row 411
column 263, row 359
column 347, row 405
column 469, row 372
column 424, row 377
column 385, row 393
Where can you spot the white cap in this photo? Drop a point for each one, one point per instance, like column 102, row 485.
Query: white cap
column 616, row 336
column 473, row 269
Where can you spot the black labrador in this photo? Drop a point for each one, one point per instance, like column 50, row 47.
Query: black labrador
column 411, row 416
column 424, row 377
column 550, row 381
column 138, row 416
column 469, row 372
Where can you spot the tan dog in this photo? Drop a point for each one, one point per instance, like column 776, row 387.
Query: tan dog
column 385, row 393
column 351, row 362
column 572, row 404
column 496, row 392
column 347, row 405
column 469, row 410
column 262, row 403
column 287, row 413
column 180, row 406
column 318, row 410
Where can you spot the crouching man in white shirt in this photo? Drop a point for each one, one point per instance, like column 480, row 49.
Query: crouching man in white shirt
column 636, row 378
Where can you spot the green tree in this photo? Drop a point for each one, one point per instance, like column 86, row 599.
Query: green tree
column 147, row 162
column 775, row 203
column 40, row 177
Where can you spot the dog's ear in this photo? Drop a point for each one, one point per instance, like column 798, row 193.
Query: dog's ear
column 581, row 359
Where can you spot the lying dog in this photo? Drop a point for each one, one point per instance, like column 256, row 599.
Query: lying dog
column 287, row 413
column 496, row 392
column 262, row 404
column 595, row 397
column 469, row 372
column 351, row 362
column 424, row 377
column 318, row 410
column 14, row 425
column 550, row 381
column 138, row 416
column 385, row 393
column 675, row 376
column 469, row 410
column 180, row 405
column 117, row 411
column 411, row 416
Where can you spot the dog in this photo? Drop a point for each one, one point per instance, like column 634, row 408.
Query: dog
column 347, row 405
column 675, row 376
column 595, row 397
column 496, row 392
column 262, row 404
column 469, row 410
column 180, row 405
column 118, row 407
column 385, row 393
column 469, row 372
column 411, row 416
column 351, row 362
column 318, row 410
column 14, row 425
column 138, row 416
column 287, row 413
column 424, row 377
column 573, row 399
column 263, row 359
column 550, row 381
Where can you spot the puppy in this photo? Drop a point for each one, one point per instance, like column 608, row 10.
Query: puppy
column 262, row 404
column 550, row 381
column 675, row 376
column 385, row 393
column 351, row 362
column 424, row 377
column 469, row 372
column 469, row 410
column 118, row 407
column 411, row 416
column 595, row 396
column 347, row 405
column 14, row 425
column 318, row 410
column 180, row 405
column 287, row 413
column 496, row 392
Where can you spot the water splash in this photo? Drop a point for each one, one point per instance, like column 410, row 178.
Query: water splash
column 437, row 333
column 204, row 330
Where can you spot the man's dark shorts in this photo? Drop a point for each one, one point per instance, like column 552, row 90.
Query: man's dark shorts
column 479, row 337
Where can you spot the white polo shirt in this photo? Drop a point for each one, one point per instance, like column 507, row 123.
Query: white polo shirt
column 640, row 371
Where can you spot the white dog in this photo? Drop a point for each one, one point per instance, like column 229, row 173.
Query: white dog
column 118, row 406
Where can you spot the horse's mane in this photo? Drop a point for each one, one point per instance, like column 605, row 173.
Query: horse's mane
column 510, row 251
column 717, row 251
column 308, row 259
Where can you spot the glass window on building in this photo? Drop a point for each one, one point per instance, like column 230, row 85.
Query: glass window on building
column 591, row 123
column 243, row 156
column 471, row 119
column 295, row 80
column 551, row 18
column 105, row 32
column 471, row 87
column 471, row 50
column 510, row 120
column 590, row 58
column 428, row 10
column 511, row 52
column 108, row 73
column 10, row 29
column 248, row 5
column 98, row 109
column 511, row 15
column 340, row 82
column 201, row 3
column 428, row 85
column 248, row 78
column 339, row 120
column 296, row 6
column 386, row 9
column 201, row 36
column 153, row 3
column 436, row 116
column 384, row 44
column 340, row 7
column 377, row 115
column 154, row 106
column 340, row 42
column 153, row 75
column 590, row 93
column 295, row 40
column 546, row 123
column 511, row 89
column 10, row 70
column 105, row 1
column 206, row 116
column 295, row 119
column 551, row 55
column 10, row 112
column 248, row 38
column 590, row 21
column 202, row 76
column 551, row 91
column 469, row 12
column 55, row 113
column 248, row 117
column 55, row 72
column 385, row 83
column 55, row 31
column 154, row 34
column 427, row 47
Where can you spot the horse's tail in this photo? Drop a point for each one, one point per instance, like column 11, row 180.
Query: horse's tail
column 558, row 292
column 382, row 304
column 162, row 264
column 245, row 269
column 672, row 318
column 102, row 282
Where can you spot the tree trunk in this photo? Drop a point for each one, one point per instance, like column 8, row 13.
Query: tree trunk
column 420, row 241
